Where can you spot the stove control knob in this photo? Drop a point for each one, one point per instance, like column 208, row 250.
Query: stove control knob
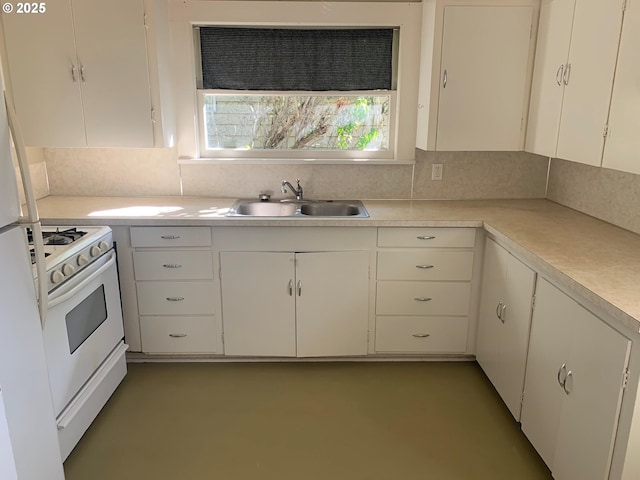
column 67, row 269
column 82, row 260
column 103, row 246
column 57, row 276
column 95, row 251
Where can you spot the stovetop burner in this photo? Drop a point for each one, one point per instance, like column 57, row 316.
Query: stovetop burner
column 58, row 237
column 63, row 237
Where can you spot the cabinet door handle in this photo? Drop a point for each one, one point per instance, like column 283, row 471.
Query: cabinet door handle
column 559, row 75
column 169, row 237
column 568, row 383
column 502, row 310
column 567, row 74
column 425, row 237
column 175, row 299
column 498, row 308
column 421, row 335
column 172, row 265
column 424, row 267
column 299, row 288
column 73, row 73
column 177, row 335
column 82, row 74
column 445, row 77
column 562, row 375
column 290, row 288
column 422, row 299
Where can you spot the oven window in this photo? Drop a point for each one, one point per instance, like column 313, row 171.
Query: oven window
column 84, row 319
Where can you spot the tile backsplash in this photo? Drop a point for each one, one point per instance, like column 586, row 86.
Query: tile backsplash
column 603, row 193
column 156, row 172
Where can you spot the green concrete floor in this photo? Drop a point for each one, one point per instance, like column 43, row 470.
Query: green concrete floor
column 305, row 421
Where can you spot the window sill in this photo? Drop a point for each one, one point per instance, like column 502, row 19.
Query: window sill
column 291, row 161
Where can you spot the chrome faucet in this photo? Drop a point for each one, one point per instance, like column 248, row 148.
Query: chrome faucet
column 296, row 191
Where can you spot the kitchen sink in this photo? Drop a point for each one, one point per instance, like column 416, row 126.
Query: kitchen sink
column 265, row 209
column 298, row 208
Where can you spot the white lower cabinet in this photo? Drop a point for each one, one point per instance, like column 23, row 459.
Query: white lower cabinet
column 176, row 290
column 178, row 334
column 421, row 334
column 574, row 386
column 504, row 322
column 423, row 290
column 295, row 304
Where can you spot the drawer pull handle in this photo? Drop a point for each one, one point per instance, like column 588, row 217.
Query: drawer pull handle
column 424, row 267
column 169, row 237
column 425, row 237
column 172, row 265
column 177, row 335
column 421, row 335
column 422, row 299
column 175, row 299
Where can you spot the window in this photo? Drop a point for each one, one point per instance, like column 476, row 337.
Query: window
column 327, row 81
column 294, row 92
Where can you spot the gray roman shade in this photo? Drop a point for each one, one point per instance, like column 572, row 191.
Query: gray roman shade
column 235, row 58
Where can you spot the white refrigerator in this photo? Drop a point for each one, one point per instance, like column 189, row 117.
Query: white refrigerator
column 28, row 433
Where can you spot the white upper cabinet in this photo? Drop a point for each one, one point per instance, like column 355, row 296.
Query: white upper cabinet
column 623, row 142
column 79, row 74
column 573, row 77
column 476, row 95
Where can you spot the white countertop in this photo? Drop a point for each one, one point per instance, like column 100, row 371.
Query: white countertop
column 594, row 259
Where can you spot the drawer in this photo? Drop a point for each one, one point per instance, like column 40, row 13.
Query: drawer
column 423, row 298
column 178, row 334
column 170, row 236
column 425, row 264
column 173, row 265
column 421, row 334
column 426, row 237
column 175, row 298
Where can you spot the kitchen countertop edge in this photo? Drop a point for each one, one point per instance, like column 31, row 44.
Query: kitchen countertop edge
column 570, row 248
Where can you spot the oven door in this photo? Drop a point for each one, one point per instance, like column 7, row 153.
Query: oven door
column 84, row 325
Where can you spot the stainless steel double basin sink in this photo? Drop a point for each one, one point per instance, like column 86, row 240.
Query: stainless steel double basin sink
column 298, row 208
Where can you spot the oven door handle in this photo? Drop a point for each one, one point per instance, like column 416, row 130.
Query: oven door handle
column 53, row 300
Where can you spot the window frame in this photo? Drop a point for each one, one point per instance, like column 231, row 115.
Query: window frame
column 406, row 17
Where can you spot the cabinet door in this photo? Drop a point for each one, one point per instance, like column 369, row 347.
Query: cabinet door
column 332, row 303
column 112, row 56
column 45, row 80
column 587, row 96
column 258, row 303
column 505, row 318
column 494, row 280
column 514, row 341
column 549, row 345
column 574, row 386
column 485, row 55
column 591, row 409
column 547, row 88
column 623, row 143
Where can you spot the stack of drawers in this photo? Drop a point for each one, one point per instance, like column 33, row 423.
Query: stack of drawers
column 176, row 293
column 423, row 289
